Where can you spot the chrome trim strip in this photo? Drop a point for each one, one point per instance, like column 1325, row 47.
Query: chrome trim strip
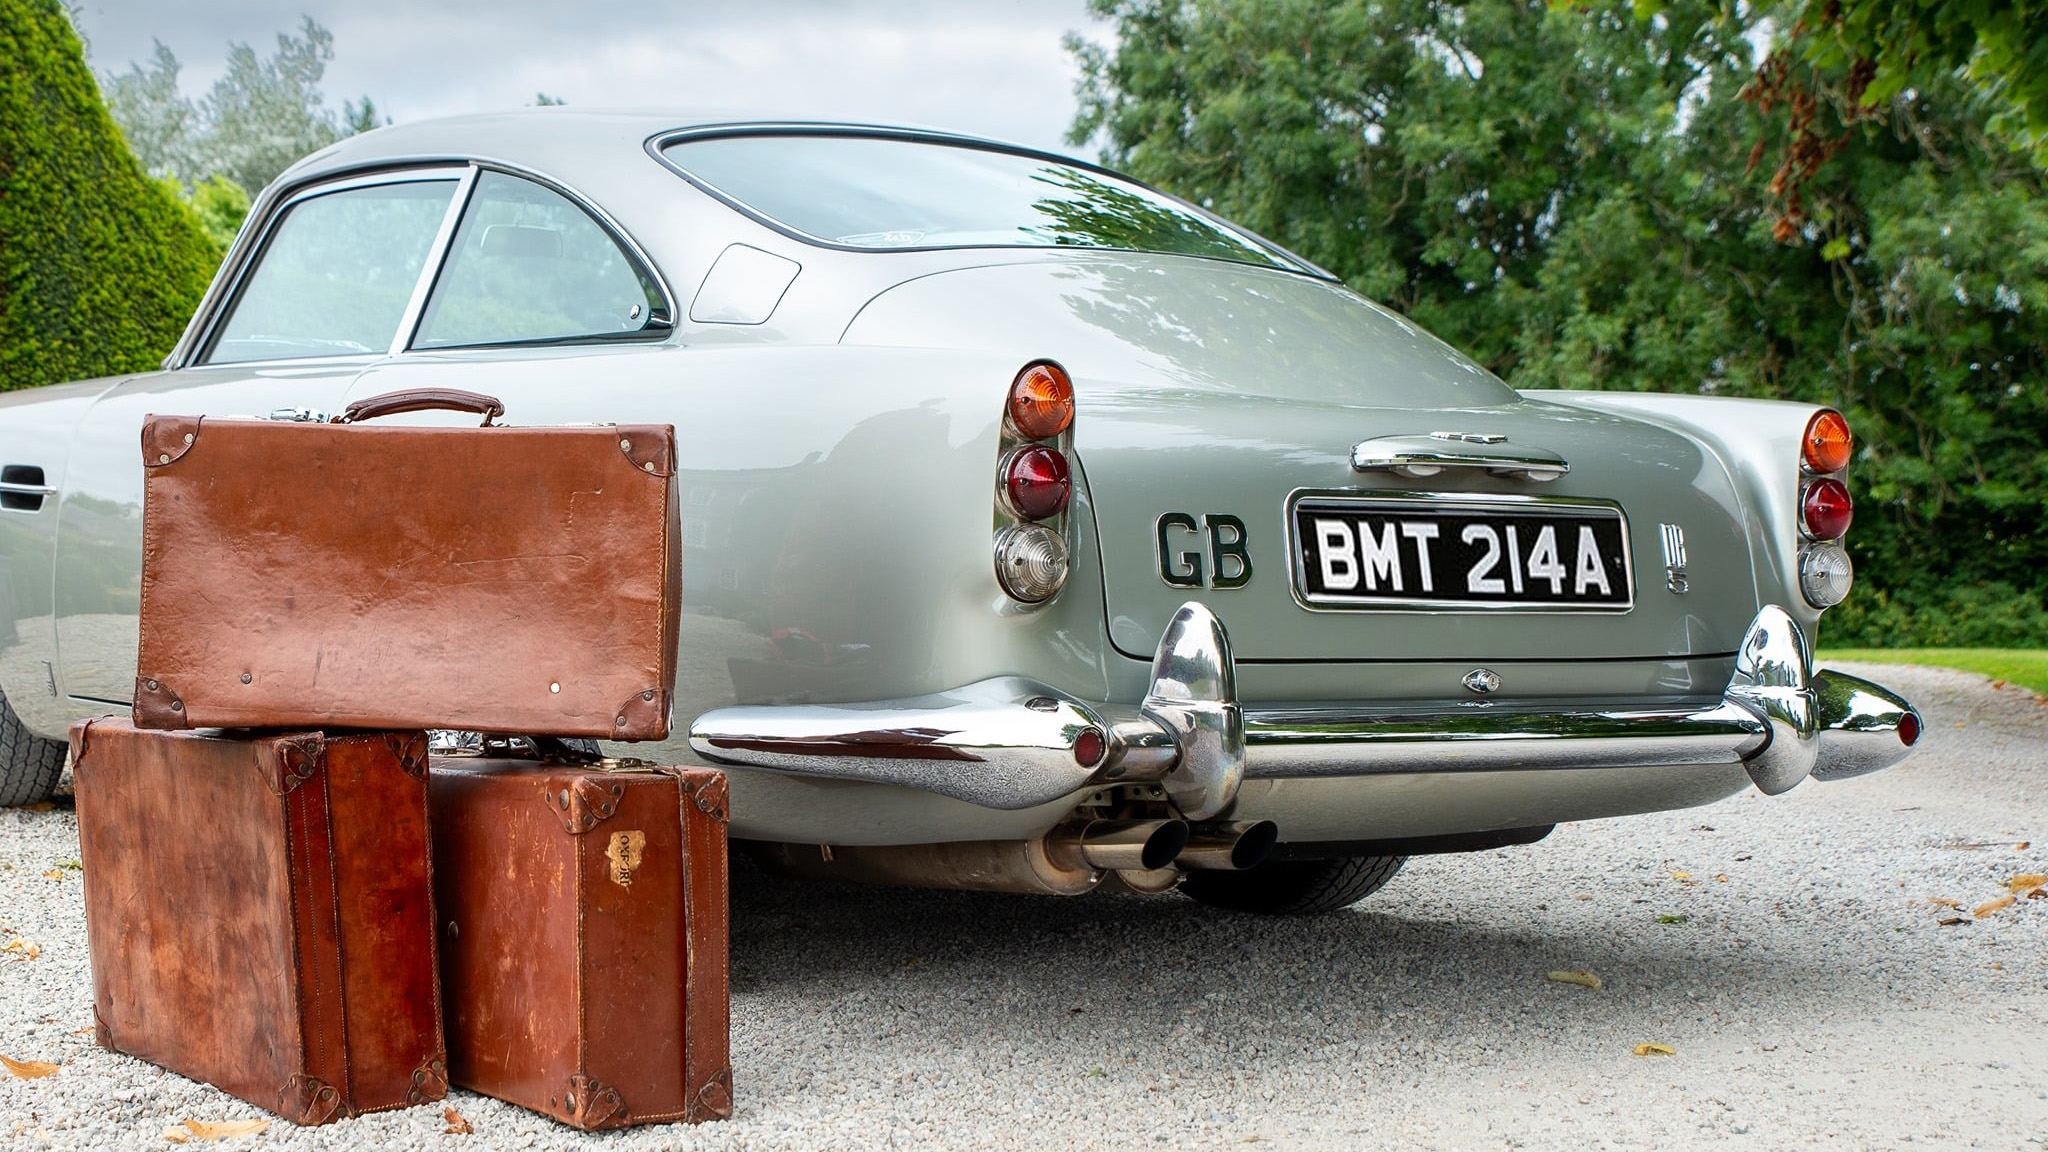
column 26, row 489
column 1448, row 501
column 1312, row 742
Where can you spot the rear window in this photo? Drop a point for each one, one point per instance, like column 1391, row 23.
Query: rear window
column 884, row 192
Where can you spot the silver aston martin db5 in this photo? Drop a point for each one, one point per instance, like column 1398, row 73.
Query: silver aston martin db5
column 1042, row 532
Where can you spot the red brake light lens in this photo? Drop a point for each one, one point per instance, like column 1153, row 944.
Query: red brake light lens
column 1041, row 401
column 1827, row 509
column 1035, row 478
column 1827, row 443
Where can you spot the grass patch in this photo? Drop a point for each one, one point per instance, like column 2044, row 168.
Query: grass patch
column 2026, row 667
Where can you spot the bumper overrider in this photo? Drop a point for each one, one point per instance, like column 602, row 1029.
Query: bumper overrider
column 1011, row 743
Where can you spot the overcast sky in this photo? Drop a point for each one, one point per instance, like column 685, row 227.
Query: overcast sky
column 990, row 67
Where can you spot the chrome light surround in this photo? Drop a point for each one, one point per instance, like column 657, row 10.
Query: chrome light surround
column 1031, row 557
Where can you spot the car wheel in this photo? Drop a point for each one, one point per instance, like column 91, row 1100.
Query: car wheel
column 29, row 764
column 1294, row 887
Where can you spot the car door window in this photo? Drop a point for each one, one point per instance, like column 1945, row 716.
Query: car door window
column 530, row 266
column 336, row 274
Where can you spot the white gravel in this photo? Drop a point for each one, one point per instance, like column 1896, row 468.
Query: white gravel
column 1812, row 996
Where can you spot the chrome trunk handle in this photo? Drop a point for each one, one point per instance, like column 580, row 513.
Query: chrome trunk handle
column 1421, row 456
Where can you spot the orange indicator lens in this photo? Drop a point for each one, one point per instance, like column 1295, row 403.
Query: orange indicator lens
column 1041, row 401
column 1827, row 442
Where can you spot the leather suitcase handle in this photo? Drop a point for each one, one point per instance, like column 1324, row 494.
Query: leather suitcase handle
column 421, row 399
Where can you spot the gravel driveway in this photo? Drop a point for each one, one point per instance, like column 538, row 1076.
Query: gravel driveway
column 1788, row 950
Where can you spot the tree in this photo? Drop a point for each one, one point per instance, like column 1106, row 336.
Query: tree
column 259, row 118
column 262, row 115
column 1568, row 194
column 99, row 267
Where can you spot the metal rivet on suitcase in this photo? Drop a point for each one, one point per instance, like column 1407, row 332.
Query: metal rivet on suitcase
column 626, row 444
column 177, row 706
column 618, row 722
column 247, row 678
column 150, row 684
column 188, row 437
column 649, row 465
column 647, row 695
column 163, row 458
column 554, row 687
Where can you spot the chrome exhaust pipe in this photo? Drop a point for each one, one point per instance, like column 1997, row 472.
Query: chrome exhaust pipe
column 977, row 865
column 1117, row 844
column 1228, row 847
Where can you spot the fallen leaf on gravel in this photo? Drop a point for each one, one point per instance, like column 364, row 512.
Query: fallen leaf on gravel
column 223, row 1130
column 54, row 874
column 2023, row 845
column 23, row 950
column 2030, row 880
column 1681, row 875
column 1721, row 878
column 38, row 806
column 1944, row 902
column 457, row 1126
column 29, row 1069
column 1678, row 919
column 175, row 1135
column 1990, row 906
column 1655, row 1050
column 1575, row 976
column 1951, row 922
column 2037, row 893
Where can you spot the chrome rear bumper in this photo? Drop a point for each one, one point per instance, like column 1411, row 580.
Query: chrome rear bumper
column 1010, row 743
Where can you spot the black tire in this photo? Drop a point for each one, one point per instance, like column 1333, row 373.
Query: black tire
column 1294, row 887
column 29, row 764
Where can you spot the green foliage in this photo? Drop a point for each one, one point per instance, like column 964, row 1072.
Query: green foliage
column 221, row 206
column 99, row 267
column 1570, row 196
column 2001, row 44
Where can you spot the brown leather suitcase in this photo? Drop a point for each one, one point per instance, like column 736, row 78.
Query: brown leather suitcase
column 495, row 579
column 259, row 912
column 584, row 938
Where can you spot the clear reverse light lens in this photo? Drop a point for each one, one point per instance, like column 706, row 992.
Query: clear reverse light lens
column 1031, row 562
column 1825, row 575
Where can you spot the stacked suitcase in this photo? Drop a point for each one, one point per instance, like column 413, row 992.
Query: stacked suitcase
column 287, row 896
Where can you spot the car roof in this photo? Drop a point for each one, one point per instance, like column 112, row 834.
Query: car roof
column 563, row 138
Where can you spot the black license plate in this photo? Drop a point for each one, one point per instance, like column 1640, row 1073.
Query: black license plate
column 1368, row 553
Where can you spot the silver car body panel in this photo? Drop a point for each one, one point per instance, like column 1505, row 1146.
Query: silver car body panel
column 839, row 416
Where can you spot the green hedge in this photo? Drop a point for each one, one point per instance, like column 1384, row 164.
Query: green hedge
column 99, row 268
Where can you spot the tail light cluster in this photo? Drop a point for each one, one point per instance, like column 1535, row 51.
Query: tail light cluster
column 1034, row 482
column 1825, row 510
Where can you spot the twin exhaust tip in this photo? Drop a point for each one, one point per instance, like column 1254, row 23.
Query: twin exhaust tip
column 1148, row 845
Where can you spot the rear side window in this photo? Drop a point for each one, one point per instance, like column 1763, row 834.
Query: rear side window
column 336, row 274
column 529, row 266
column 883, row 192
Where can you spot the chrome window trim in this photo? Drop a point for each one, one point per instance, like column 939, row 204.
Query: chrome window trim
column 254, row 237
column 635, row 254
column 1453, row 501
column 437, row 258
column 248, row 253
column 657, row 144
